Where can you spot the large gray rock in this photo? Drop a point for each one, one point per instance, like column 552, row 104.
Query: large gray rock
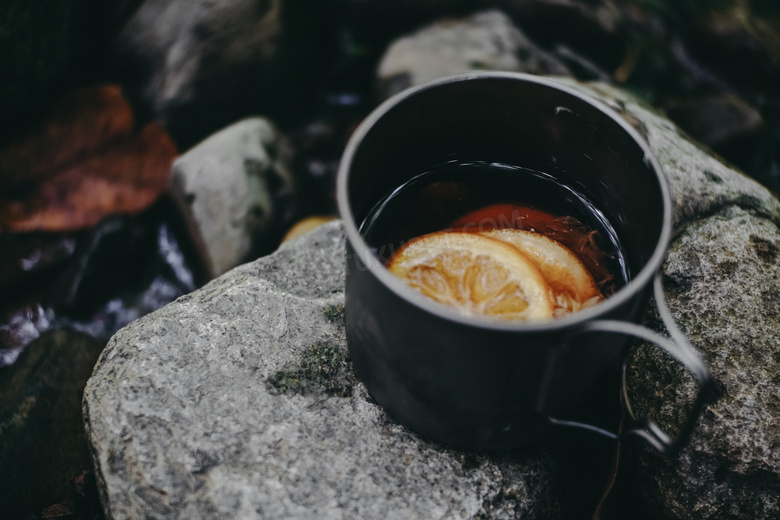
column 484, row 40
column 724, row 288
column 235, row 191
column 239, row 401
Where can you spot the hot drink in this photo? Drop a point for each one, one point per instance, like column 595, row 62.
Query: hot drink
column 555, row 227
column 570, row 185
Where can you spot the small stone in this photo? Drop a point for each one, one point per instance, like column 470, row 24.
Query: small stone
column 486, row 40
column 234, row 190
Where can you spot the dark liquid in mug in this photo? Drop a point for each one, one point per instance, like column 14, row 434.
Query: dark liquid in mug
column 455, row 194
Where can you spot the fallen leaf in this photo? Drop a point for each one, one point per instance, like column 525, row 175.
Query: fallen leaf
column 125, row 177
column 83, row 163
column 79, row 124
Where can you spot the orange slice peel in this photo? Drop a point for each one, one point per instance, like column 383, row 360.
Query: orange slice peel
column 572, row 284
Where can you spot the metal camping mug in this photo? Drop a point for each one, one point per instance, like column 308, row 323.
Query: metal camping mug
column 481, row 383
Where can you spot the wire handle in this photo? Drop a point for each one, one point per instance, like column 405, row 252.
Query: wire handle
column 681, row 350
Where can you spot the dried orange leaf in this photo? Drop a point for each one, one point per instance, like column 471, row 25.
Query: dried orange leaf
column 124, row 178
column 79, row 124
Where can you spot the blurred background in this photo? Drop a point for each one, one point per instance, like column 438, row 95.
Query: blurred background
column 147, row 146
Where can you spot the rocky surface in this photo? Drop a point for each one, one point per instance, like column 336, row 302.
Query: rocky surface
column 42, row 444
column 700, row 183
column 235, row 190
column 259, row 354
column 484, row 40
column 239, row 400
column 722, row 277
column 724, row 288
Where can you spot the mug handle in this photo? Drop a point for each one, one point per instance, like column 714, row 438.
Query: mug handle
column 680, row 349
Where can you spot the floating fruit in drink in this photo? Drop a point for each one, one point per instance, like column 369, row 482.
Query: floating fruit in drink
column 509, row 274
column 572, row 284
column 475, row 274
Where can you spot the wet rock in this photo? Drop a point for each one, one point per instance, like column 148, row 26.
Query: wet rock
column 19, row 327
column 239, row 400
column 31, row 255
column 42, row 442
column 200, row 65
column 485, row 40
column 124, row 268
column 236, row 193
column 723, row 279
column 719, row 121
column 95, row 281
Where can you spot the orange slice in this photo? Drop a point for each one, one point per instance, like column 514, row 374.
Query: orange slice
column 475, row 275
column 566, row 230
column 574, row 287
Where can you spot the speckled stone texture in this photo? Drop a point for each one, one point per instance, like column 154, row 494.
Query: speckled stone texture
column 724, row 287
column 239, row 401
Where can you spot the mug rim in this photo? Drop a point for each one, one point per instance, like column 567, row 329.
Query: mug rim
column 406, row 293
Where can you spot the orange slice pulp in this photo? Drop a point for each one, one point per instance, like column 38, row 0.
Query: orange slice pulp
column 508, row 274
column 475, row 275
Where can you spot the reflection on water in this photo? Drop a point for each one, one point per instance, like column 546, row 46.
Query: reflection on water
column 126, row 268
